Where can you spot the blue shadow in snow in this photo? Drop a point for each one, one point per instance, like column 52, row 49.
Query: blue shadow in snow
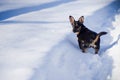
column 103, row 17
column 29, row 22
column 15, row 12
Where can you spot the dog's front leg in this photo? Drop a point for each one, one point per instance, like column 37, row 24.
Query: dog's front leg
column 81, row 46
column 84, row 50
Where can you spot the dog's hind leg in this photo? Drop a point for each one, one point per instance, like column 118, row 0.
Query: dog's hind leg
column 97, row 48
column 96, row 51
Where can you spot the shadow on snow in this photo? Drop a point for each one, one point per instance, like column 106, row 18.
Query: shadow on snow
column 15, row 12
column 29, row 22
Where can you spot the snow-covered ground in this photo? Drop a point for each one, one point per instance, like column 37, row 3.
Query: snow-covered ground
column 14, row 4
column 114, row 51
column 38, row 44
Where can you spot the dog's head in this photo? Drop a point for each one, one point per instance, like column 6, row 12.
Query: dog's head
column 77, row 25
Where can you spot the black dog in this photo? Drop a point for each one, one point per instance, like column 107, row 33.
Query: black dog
column 86, row 37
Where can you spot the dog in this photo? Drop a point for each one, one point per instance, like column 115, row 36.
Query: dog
column 86, row 37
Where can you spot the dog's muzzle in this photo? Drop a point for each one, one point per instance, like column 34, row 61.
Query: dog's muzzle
column 77, row 31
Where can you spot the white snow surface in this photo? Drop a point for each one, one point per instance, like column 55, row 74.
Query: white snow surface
column 115, row 50
column 40, row 45
column 15, row 4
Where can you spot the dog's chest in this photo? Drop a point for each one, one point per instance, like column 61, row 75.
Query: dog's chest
column 86, row 39
column 87, row 44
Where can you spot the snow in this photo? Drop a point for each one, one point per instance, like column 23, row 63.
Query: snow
column 51, row 14
column 114, row 51
column 40, row 45
column 15, row 4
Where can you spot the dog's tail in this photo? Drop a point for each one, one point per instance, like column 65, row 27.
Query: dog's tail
column 101, row 33
column 97, row 37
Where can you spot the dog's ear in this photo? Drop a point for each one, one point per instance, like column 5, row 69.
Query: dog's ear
column 81, row 19
column 72, row 20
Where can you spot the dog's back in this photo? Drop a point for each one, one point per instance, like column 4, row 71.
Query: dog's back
column 86, row 34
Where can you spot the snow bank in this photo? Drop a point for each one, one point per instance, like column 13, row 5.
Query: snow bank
column 66, row 62
column 114, row 51
column 22, row 48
